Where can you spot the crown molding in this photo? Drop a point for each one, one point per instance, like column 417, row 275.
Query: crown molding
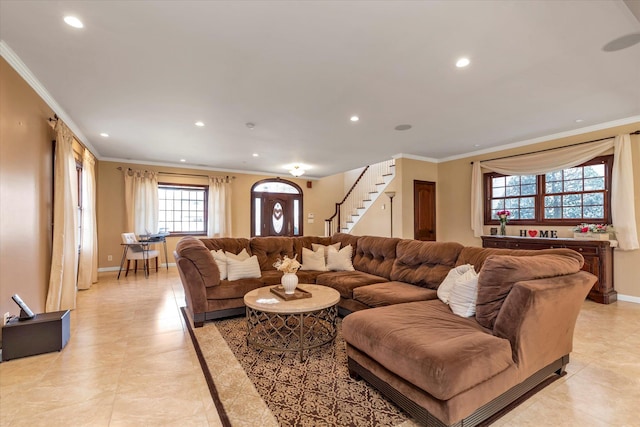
column 415, row 157
column 16, row 63
column 560, row 135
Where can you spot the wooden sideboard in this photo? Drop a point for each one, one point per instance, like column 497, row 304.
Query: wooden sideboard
column 598, row 258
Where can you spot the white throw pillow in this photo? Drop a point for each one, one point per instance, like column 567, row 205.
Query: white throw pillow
column 340, row 260
column 240, row 257
column 221, row 260
column 247, row 269
column 464, row 294
column 445, row 287
column 313, row 260
column 325, row 248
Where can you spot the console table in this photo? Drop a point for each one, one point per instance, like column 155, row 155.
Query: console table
column 598, row 258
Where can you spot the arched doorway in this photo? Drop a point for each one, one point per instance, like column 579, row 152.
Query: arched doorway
column 276, row 208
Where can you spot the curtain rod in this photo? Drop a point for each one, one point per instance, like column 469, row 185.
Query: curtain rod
column 554, row 148
column 180, row 174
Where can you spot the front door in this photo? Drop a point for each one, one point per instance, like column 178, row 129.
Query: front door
column 278, row 215
column 424, row 210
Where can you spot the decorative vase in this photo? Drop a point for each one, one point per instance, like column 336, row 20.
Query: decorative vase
column 289, row 282
column 503, row 228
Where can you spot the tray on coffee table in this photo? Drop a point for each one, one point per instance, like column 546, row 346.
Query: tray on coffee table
column 298, row 293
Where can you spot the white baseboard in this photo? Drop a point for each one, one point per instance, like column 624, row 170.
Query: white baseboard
column 105, row 269
column 629, row 298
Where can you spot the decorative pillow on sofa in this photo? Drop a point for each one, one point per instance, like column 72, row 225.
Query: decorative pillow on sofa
column 447, row 284
column 325, row 248
column 240, row 256
column 313, row 260
column 500, row 272
column 464, row 293
column 247, row 269
column 340, row 260
column 221, row 260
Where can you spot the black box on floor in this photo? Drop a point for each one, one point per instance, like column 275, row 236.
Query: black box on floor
column 44, row 333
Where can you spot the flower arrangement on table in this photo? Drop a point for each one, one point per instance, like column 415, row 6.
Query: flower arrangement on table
column 503, row 217
column 592, row 228
column 287, row 265
column 592, row 231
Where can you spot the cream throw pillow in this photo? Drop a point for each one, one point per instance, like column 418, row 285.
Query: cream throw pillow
column 247, row 269
column 464, row 294
column 313, row 260
column 221, row 260
column 340, row 260
column 240, row 257
column 325, row 248
column 447, row 284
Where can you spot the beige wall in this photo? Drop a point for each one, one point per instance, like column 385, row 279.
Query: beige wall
column 26, row 155
column 454, row 193
column 318, row 200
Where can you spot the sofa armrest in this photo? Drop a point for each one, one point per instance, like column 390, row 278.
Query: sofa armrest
column 538, row 318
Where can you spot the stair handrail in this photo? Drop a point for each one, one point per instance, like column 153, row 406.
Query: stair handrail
column 338, row 205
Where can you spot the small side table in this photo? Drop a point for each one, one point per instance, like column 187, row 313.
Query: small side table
column 45, row 333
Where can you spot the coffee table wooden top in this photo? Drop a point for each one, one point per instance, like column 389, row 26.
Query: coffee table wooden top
column 264, row 300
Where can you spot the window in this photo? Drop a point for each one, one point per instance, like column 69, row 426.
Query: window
column 183, row 208
column 276, row 208
column 564, row 197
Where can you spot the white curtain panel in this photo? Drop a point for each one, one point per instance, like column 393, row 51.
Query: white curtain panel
column 548, row 161
column 61, row 294
column 141, row 201
column 219, row 222
column 88, row 264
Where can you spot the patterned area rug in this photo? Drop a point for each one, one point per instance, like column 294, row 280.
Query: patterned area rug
column 316, row 392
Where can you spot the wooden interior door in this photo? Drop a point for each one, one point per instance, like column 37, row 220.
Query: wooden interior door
column 424, row 210
column 277, row 214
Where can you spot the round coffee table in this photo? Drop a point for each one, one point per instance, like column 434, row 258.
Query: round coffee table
column 295, row 325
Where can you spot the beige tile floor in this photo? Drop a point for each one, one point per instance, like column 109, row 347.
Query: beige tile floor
column 130, row 362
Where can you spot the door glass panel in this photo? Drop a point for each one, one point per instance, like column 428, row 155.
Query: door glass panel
column 258, row 216
column 277, row 217
column 296, row 217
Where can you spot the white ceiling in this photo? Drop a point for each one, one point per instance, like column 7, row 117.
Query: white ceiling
column 145, row 71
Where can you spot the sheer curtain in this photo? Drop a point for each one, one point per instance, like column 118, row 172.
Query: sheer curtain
column 61, row 294
column 141, row 201
column 622, row 207
column 219, row 224
column 88, row 265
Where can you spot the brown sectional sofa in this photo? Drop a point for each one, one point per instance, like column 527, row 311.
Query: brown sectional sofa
column 443, row 369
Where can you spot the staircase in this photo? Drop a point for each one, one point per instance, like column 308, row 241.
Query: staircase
column 368, row 187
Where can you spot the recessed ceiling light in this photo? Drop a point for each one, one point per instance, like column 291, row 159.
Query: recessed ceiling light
column 104, row 135
column 183, row 160
column 462, row 62
column 579, row 120
column 250, row 125
column 476, row 145
column 354, row 118
column 255, row 154
column 403, row 127
column 199, row 124
column 73, row 21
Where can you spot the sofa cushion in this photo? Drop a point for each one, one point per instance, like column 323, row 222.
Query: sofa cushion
column 346, row 281
column 243, row 269
column 234, row 289
column 307, row 242
column 500, row 272
column 424, row 263
column 313, row 260
column 476, row 256
column 388, row 293
column 271, row 277
column 375, row 255
column 269, row 249
column 307, row 276
column 444, row 290
column 464, row 293
column 427, row 345
column 345, row 239
column 227, row 244
column 340, row 260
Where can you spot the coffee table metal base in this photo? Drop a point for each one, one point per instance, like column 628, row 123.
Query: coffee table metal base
column 294, row 332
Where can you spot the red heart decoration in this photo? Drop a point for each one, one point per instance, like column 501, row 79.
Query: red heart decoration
column 533, row 233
